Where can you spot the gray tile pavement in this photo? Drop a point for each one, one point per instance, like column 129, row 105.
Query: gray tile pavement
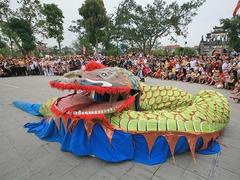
column 25, row 157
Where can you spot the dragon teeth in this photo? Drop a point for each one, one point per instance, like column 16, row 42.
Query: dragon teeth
column 75, row 113
column 109, row 110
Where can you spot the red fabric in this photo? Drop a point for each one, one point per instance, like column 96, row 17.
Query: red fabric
column 126, row 104
column 236, row 9
column 214, row 64
column 172, row 63
column 100, row 90
column 222, row 78
column 92, row 65
column 146, row 70
column 89, row 117
column 158, row 73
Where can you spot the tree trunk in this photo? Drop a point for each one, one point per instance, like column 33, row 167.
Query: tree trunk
column 96, row 46
column 144, row 48
column 59, row 47
column 150, row 51
column 19, row 47
column 11, row 46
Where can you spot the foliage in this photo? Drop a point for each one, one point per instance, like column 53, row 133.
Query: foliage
column 54, row 22
column 5, row 10
column 187, row 51
column 233, row 29
column 141, row 27
column 67, row 50
column 160, row 53
column 93, row 21
column 112, row 50
column 5, row 52
column 30, row 10
column 109, row 36
column 53, row 50
column 82, row 42
column 2, row 43
column 28, row 17
column 22, row 30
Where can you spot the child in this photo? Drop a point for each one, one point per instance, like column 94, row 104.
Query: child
column 173, row 74
column 180, row 75
column 209, row 77
column 165, row 74
column 203, row 77
column 141, row 75
column 195, row 76
column 217, row 79
column 236, row 92
column 230, row 81
column 158, row 74
column 188, row 76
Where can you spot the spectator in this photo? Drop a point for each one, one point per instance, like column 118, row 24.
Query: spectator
column 230, row 81
column 222, row 72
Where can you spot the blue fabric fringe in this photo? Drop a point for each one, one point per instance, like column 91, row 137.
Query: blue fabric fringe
column 28, row 107
column 124, row 146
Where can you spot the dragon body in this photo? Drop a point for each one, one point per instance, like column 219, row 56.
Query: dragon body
column 116, row 118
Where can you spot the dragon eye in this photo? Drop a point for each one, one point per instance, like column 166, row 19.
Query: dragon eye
column 104, row 74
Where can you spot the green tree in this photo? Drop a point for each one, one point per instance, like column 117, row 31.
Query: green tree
column 82, row 42
column 22, row 31
column 233, row 29
column 93, row 21
column 5, row 14
column 112, row 50
column 2, row 43
column 67, row 50
column 141, row 27
column 5, row 11
column 53, row 50
column 160, row 53
column 29, row 14
column 30, row 10
column 10, row 35
column 54, row 20
column 182, row 51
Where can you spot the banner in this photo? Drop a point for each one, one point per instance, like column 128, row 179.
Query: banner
column 235, row 12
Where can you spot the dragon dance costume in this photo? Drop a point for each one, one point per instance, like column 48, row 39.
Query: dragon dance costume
column 111, row 116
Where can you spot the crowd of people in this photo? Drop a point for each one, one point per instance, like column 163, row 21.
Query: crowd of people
column 48, row 66
column 220, row 71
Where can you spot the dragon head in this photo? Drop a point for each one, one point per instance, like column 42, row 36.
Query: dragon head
column 98, row 90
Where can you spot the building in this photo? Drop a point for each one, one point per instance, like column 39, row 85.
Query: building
column 170, row 48
column 215, row 43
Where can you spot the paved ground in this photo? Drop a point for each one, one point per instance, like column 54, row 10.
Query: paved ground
column 23, row 156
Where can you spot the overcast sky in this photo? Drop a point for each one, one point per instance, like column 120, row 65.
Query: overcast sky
column 208, row 16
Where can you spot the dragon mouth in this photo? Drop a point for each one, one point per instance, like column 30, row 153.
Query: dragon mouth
column 100, row 87
column 88, row 103
column 96, row 92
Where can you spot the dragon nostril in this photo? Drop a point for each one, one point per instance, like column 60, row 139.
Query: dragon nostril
column 79, row 76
